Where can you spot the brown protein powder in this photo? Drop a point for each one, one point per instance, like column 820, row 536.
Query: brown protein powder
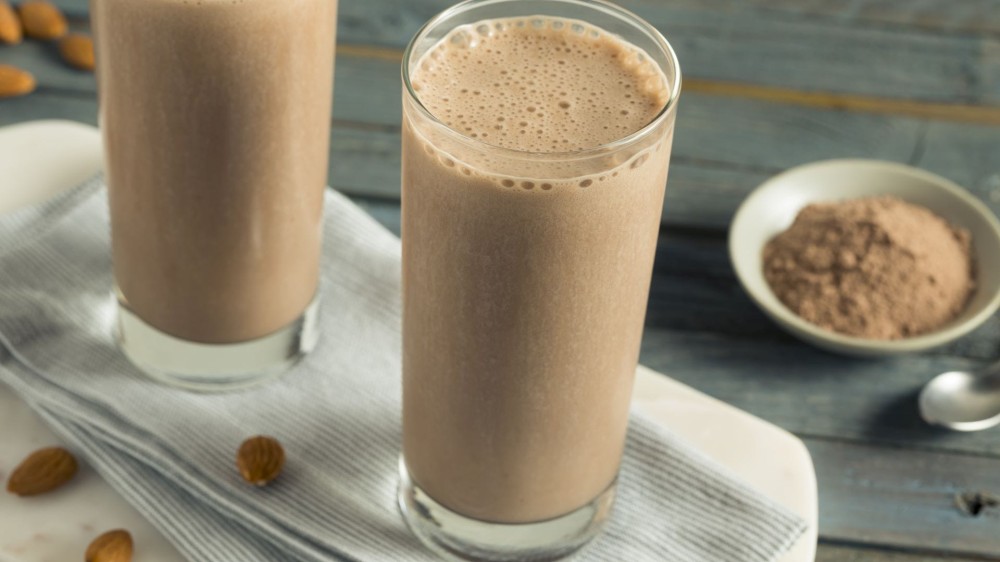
column 877, row 268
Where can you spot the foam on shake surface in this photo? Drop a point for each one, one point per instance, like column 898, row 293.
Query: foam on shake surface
column 540, row 84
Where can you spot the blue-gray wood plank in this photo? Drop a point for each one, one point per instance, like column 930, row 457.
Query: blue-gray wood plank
column 886, row 481
column 786, row 45
column 724, row 145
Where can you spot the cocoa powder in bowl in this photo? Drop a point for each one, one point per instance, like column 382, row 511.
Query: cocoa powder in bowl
column 876, row 268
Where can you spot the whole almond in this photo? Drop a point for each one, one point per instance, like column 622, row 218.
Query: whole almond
column 15, row 82
column 43, row 471
column 260, row 460
column 78, row 51
column 42, row 20
column 10, row 26
column 113, row 546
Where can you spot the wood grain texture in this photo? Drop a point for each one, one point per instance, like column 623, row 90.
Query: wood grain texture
column 725, row 145
column 905, row 498
column 967, row 17
column 48, row 105
column 946, row 16
column 978, row 114
column 812, row 392
column 977, row 17
column 842, row 553
column 819, row 46
column 746, row 43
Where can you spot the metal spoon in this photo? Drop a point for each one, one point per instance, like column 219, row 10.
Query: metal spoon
column 962, row 400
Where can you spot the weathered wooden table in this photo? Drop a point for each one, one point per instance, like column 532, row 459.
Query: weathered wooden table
column 769, row 84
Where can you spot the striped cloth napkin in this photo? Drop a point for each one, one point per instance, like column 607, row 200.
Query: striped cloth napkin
column 170, row 452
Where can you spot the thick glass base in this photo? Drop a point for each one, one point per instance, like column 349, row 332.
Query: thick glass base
column 456, row 537
column 214, row 367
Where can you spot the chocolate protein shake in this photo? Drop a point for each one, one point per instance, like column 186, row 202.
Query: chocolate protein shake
column 531, row 209
column 215, row 116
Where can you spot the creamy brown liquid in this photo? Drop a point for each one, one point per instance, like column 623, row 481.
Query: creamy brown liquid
column 524, row 294
column 215, row 115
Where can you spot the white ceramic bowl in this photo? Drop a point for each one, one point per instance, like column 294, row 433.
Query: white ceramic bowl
column 772, row 207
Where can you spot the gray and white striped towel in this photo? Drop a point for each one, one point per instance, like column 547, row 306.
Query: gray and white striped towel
column 169, row 452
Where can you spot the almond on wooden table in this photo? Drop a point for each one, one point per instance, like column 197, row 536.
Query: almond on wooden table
column 78, row 51
column 113, row 546
column 42, row 20
column 10, row 25
column 15, row 82
column 260, row 459
column 42, row 471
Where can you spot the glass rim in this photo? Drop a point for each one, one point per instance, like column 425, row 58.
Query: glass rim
column 600, row 5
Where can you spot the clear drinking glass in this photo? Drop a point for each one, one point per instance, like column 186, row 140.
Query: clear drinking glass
column 215, row 117
column 525, row 281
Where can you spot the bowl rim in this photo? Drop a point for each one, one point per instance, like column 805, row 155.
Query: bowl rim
column 791, row 321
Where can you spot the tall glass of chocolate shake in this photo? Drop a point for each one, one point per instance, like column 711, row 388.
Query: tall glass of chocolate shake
column 215, row 116
column 536, row 142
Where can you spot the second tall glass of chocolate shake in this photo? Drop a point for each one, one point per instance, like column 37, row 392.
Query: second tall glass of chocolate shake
column 216, row 120
column 536, row 142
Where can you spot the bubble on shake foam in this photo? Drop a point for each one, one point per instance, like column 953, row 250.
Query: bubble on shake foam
column 518, row 88
column 639, row 160
column 461, row 39
column 485, row 30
